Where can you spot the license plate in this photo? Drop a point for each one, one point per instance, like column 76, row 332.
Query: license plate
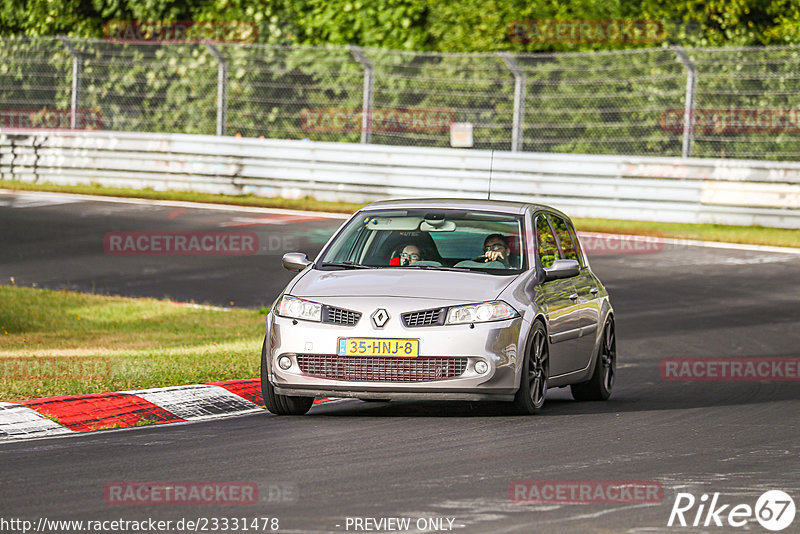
column 359, row 346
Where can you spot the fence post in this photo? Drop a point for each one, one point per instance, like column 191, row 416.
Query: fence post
column 519, row 100
column 222, row 89
column 369, row 88
column 77, row 65
column 691, row 90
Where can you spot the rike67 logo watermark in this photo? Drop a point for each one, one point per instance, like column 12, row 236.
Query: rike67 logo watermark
column 774, row 510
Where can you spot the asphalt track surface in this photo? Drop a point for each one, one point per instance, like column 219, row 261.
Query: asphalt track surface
column 429, row 460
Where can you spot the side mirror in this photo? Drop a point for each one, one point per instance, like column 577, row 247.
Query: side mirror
column 562, row 269
column 295, row 261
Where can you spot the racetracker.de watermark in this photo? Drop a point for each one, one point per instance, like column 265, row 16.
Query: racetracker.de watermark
column 180, row 31
column 80, row 368
column 587, row 31
column 181, row 243
column 732, row 121
column 597, row 243
column 50, row 119
column 586, row 491
column 148, row 524
column 730, row 369
column 389, row 120
column 177, row 493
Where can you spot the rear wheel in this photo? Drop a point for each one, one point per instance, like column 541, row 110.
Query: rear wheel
column 280, row 404
column 599, row 386
column 533, row 384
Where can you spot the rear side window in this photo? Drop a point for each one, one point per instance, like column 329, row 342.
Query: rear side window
column 566, row 238
column 547, row 248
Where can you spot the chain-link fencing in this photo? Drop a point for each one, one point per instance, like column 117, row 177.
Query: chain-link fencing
column 730, row 102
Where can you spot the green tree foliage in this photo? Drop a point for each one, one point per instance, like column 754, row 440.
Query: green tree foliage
column 441, row 25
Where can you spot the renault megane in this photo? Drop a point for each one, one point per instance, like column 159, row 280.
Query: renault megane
column 441, row 300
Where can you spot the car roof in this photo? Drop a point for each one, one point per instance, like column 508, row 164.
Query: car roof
column 502, row 206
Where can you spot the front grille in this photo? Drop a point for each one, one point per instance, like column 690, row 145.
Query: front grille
column 340, row 316
column 381, row 369
column 424, row 317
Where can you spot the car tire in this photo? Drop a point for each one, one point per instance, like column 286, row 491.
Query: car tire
column 280, row 404
column 598, row 388
column 533, row 383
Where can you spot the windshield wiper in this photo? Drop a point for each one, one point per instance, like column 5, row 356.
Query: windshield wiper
column 438, row 268
column 347, row 264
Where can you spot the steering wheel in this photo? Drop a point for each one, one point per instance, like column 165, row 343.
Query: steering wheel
column 482, row 259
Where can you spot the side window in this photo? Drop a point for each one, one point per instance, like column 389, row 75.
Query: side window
column 569, row 245
column 548, row 251
column 577, row 242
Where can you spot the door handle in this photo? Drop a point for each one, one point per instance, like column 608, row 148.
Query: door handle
column 593, row 291
column 573, row 297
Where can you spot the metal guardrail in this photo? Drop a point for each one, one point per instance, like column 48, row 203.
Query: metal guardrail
column 688, row 190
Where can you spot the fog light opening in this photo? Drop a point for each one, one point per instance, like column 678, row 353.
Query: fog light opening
column 284, row 362
column 481, row 367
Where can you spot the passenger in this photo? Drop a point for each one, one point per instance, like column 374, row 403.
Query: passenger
column 411, row 254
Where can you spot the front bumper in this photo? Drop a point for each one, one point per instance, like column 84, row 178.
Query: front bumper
column 495, row 343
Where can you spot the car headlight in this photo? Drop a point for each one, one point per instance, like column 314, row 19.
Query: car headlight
column 296, row 308
column 480, row 313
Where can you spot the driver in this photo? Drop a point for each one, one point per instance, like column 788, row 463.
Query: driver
column 495, row 248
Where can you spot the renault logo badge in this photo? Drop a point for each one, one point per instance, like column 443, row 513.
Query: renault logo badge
column 380, row 317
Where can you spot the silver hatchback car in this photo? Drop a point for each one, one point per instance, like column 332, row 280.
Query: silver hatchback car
column 438, row 299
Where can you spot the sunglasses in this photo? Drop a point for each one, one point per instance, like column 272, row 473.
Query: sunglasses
column 496, row 246
column 405, row 255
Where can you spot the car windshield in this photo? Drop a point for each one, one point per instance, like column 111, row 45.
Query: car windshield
column 429, row 239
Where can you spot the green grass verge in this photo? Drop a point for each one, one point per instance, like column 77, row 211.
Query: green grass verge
column 62, row 343
column 756, row 235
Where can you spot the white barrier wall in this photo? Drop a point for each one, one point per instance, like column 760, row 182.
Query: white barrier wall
column 691, row 190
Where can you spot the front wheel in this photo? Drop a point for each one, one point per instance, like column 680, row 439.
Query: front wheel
column 280, row 404
column 599, row 386
column 533, row 383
